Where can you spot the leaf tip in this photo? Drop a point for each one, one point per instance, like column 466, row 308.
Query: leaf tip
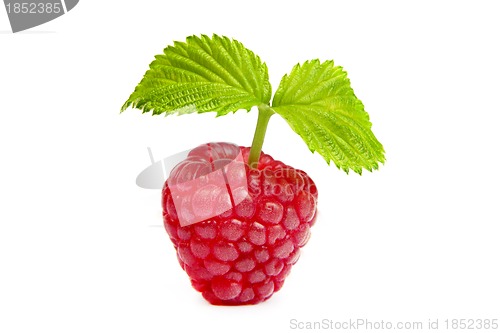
column 124, row 106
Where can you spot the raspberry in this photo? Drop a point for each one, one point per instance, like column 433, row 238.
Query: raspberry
column 237, row 239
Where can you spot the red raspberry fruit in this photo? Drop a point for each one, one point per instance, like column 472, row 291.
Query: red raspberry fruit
column 237, row 240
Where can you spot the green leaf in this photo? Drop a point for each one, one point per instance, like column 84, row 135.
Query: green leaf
column 317, row 101
column 200, row 75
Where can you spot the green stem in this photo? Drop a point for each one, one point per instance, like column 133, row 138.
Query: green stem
column 265, row 113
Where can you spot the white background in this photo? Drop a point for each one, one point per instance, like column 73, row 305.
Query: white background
column 82, row 249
